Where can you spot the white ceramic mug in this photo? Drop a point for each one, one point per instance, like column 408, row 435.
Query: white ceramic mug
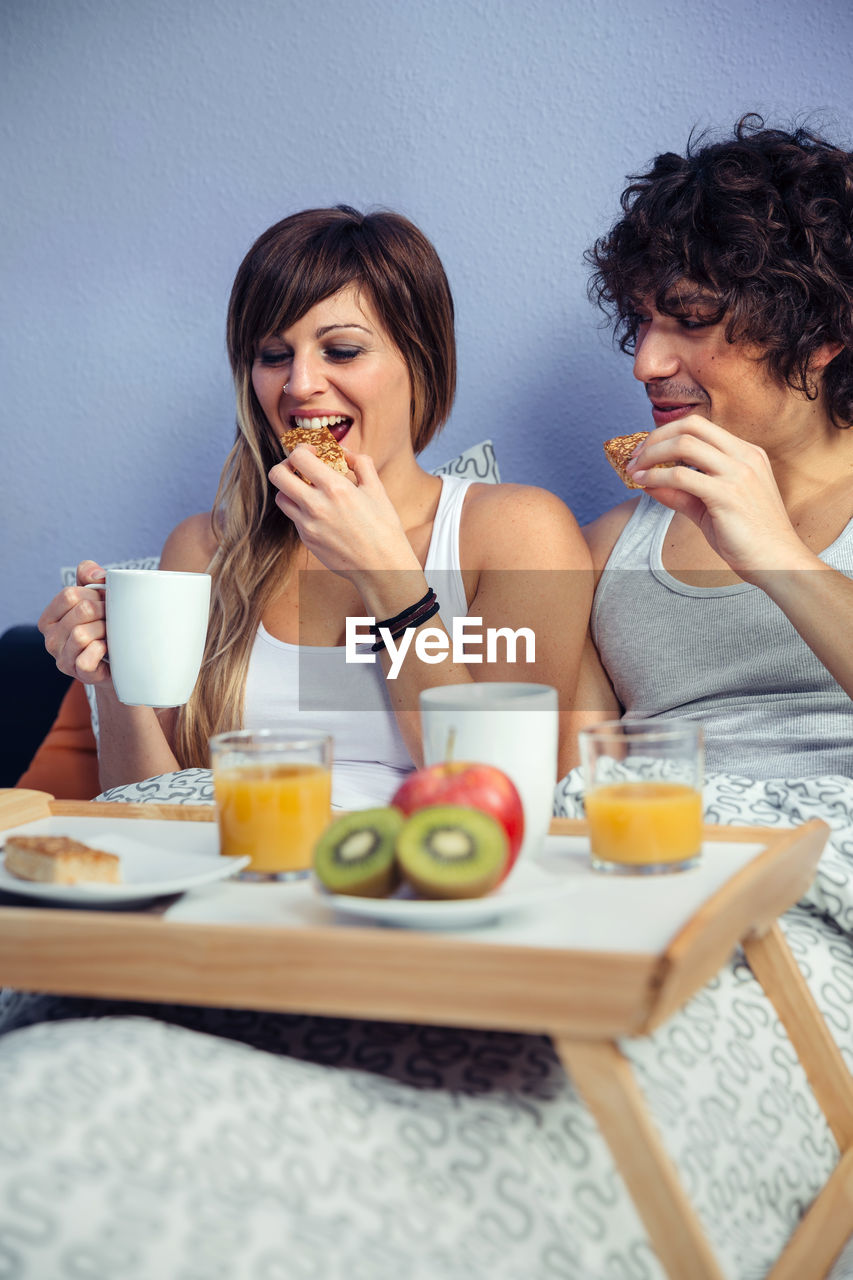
column 156, row 629
column 513, row 726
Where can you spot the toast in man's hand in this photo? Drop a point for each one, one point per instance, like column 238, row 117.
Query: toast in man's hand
column 619, row 449
column 60, row 860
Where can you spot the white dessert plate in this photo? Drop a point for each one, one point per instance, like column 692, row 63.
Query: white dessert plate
column 531, row 883
column 147, row 871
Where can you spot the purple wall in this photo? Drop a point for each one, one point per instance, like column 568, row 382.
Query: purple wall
column 144, row 147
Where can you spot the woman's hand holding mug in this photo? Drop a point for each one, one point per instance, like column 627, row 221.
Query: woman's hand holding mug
column 147, row 636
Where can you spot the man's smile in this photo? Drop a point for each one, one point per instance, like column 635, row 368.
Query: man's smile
column 670, row 402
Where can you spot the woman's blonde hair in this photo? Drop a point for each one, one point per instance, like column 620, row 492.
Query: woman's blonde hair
column 291, row 267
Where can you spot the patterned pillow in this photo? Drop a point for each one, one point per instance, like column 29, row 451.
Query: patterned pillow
column 477, row 463
column 69, row 572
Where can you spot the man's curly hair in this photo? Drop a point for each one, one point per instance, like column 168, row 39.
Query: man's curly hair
column 763, row 223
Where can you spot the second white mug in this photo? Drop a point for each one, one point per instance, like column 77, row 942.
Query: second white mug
column 156, row 629
column 511, row 725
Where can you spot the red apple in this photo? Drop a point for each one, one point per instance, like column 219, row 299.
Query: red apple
column 477, row 786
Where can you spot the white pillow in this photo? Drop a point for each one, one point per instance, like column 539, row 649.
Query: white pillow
column 68, row 573
column 477, row 463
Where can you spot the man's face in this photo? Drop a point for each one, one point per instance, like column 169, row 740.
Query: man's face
column 688, row 366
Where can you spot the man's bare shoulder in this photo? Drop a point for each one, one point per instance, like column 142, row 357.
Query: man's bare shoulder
column 602, row 533
column 190, row 546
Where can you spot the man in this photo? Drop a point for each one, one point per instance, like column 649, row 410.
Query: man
column 726, row 595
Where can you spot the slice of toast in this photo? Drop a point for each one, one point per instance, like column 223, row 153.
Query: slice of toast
column 619, row 449
column 328, row 449
column 60, row 860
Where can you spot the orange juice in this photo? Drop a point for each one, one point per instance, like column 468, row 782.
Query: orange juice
column 641, row 823
column 273, row 812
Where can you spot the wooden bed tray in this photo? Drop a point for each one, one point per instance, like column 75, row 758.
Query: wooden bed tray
column 583, row 999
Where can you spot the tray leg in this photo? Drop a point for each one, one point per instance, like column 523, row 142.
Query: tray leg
column 823, row 1232
column 606, row 1082
column 825, row 1228
column 774, row 966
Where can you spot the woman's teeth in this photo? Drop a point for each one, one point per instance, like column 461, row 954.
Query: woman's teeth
column 334, row 420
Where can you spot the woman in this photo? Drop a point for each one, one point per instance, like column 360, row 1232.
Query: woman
column 346, row 319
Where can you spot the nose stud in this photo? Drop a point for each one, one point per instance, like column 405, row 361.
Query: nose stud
column 284, row 388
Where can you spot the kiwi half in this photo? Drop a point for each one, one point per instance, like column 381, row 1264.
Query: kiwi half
column 448, row 851
column 355, row 855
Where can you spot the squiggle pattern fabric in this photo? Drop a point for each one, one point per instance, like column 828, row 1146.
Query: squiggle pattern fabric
column 140, row 1141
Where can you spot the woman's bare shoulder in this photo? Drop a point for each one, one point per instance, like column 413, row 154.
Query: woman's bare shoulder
column 531, row 526
column 191, row 545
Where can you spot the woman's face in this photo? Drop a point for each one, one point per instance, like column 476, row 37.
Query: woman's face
column 338, row 366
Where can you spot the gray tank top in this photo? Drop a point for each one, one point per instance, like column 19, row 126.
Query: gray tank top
column 725, row 656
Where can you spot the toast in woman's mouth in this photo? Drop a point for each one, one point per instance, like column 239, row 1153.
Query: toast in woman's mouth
column 619, row 449
column 328, row 449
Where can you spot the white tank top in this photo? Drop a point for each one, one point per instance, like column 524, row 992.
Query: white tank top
column 312, row 687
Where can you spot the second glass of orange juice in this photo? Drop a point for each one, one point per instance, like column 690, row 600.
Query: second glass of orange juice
column 273, row 794
column 643, row 795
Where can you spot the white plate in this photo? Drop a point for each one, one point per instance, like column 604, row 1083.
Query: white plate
column 531, row 883
column 147, row 871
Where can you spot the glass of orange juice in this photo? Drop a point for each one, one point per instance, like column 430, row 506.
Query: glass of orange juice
column 643, row 795
column 273, row 793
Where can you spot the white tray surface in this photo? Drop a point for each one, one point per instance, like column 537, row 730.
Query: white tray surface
column 603, row 913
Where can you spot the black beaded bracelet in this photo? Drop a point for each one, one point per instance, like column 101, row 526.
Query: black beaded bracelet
column 414, row 617
column 400, row 619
